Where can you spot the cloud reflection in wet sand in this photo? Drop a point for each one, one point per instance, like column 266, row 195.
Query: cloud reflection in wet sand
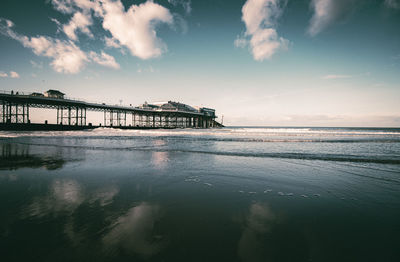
column 134, row 232
column 258, row 222
column 104, row 195
column 159, row 158
column 269, row 235
column 65, row 195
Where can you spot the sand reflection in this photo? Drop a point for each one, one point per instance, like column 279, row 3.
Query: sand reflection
column 134, row 232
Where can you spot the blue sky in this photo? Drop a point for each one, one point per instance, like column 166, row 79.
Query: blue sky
column 257, row 62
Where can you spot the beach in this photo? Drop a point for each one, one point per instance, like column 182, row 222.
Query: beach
column 227, row 194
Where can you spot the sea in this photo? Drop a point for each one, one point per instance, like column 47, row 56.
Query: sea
column 226, row 194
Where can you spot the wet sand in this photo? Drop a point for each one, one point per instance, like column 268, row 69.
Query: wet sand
column 107, row 198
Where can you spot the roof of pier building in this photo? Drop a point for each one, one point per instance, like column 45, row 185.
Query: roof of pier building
column 169, row 106
column 37, row 94
column 149, row 106
column 54, row 93
column 207, row 111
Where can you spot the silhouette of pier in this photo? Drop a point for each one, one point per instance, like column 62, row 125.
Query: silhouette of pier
column 71, row 113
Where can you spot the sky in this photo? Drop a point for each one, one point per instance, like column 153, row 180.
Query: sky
column 257, row 62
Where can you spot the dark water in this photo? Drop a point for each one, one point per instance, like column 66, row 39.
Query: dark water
column 233, row 194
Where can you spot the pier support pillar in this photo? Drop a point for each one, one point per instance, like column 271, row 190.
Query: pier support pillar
column 71, row 116
column 14, row 112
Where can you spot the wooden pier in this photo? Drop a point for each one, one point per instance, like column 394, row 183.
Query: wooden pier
column 71, row 114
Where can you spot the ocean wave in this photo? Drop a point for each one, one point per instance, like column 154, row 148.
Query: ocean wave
column 224, row 132
column 229, row 139
column 304, row 156
column 282, row 155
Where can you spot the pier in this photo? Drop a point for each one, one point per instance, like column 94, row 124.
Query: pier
column 72, row 113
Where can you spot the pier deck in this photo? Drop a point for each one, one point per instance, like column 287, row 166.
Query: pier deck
column 71, row 114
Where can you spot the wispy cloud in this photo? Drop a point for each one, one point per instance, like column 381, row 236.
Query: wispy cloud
column 148, row 69
column 104, row 59
column 66, row 56
column 395, row 4
column 111, row 42
column 336, row 76
column 12, row 74
column 328, row 12
column 36, row 65
column 186, row 4
column 396, row 57
column 64, row 6
column 343, row 76
column 260, row 18
column 314, row 118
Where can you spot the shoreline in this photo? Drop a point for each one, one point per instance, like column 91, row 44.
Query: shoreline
column 56, row 127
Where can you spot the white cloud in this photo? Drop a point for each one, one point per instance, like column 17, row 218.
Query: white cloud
column 395, row 4
column 79, row 22
column 260, row 18
column 135, row 28
column 67, row 57
column 3, row 74
column 14, row 74
column 265, row 43
column 104, row 59
column 327, row 12
column 336, row 76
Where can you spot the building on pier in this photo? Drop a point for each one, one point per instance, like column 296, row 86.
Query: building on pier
column 169, row 106
column 37, row 94
column 54, row 94
column 207, row 111
column 149, row 106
